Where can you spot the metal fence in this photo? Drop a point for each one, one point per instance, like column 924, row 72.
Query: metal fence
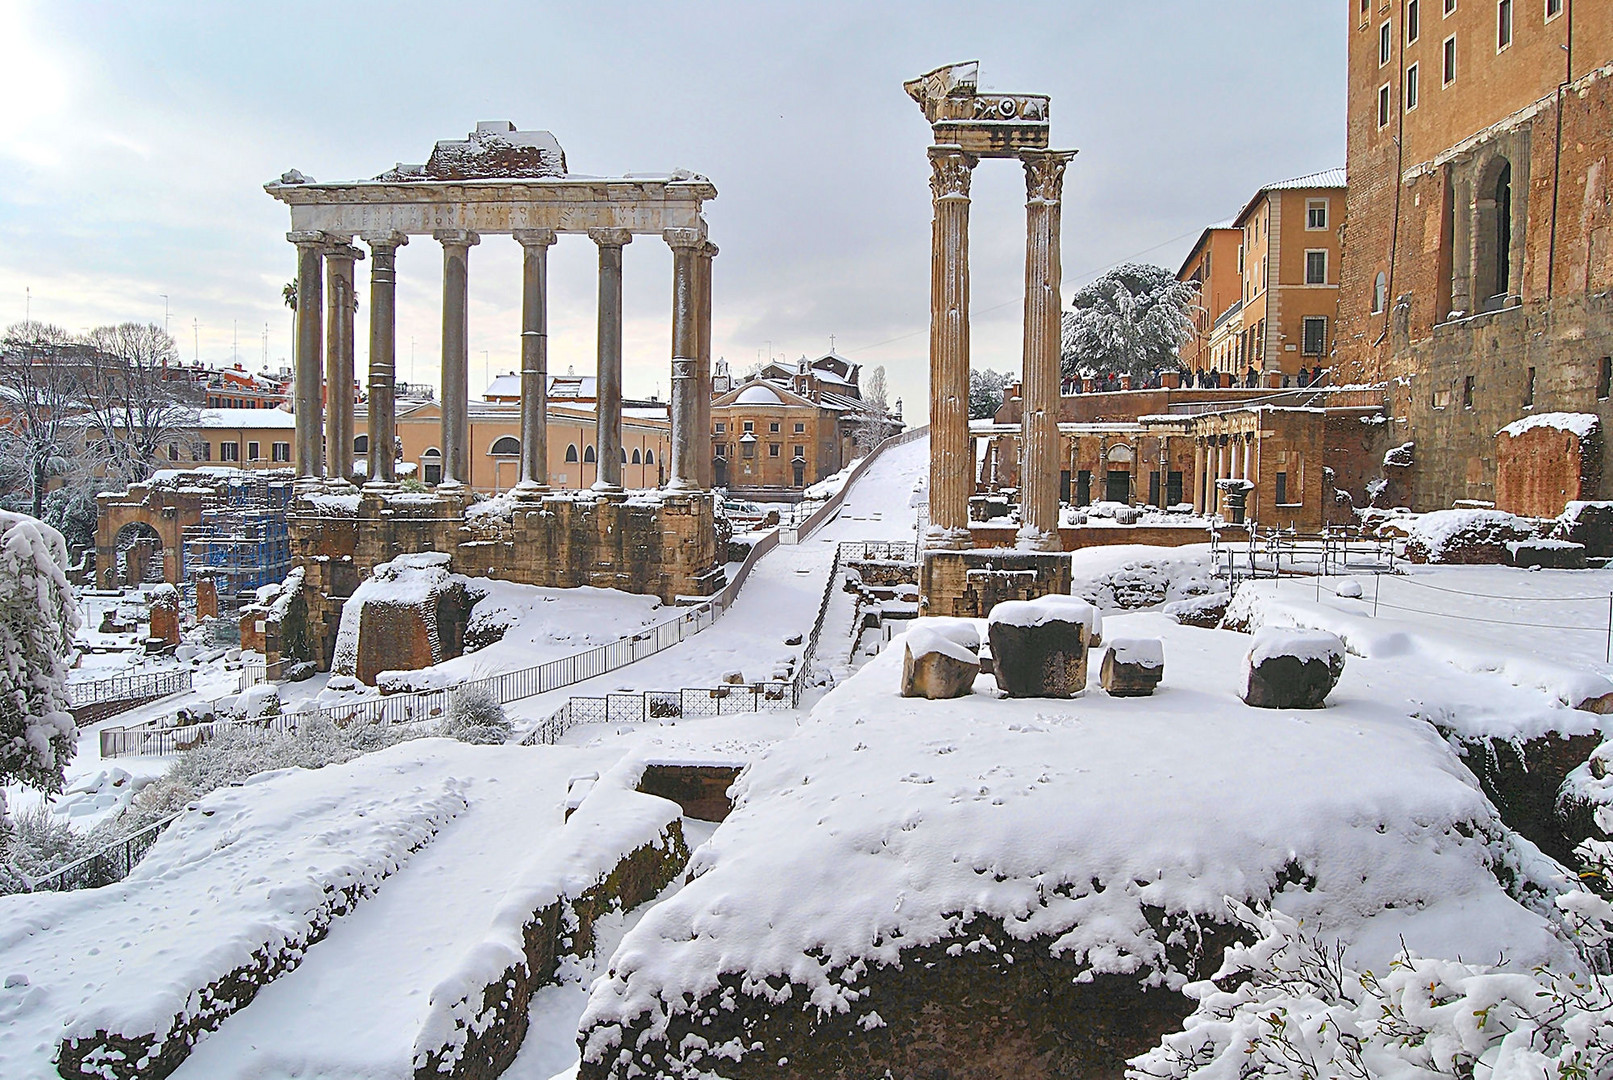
column 879, row 550
column 145, row 687
column 111, row 863
column 1274, row 553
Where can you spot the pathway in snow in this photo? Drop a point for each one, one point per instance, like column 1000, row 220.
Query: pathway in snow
column 780, row 598
column 353, row 1008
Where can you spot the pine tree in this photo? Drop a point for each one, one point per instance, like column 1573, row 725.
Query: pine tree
column 1131, row 321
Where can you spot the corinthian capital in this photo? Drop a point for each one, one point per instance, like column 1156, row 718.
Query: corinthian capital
column 950, row 170
column 534, row 237
column 1044, row 174
column 683, row 238
column 611, row 237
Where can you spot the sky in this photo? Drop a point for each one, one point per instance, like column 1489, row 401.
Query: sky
column 135, row 140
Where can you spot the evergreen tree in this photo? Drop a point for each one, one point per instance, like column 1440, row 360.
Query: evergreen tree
column 38, row 622
column 1131, row 321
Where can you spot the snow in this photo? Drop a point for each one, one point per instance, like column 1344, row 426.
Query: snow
column 1139, row 652
column 1302, row 645
column 1070, row 822
column 1123, row 576
column 958, row 639
column 1045, row 609
column 757, row 394
column 830, row 486
column 1580, row 425
column 253, row 869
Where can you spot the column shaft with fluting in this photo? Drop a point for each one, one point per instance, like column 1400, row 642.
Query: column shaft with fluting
column 1039, row 486
column 309, row 374
column 951, row 471
column 382, row 465
column 534, row 361
column 341, row 306
column 456, row 245
column 685, row 406
column 702, row 371
column 1199, row 478
column 608, row 374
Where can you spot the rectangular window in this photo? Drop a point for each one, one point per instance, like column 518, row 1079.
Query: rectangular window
column 1450, row 6
column 1282, row 488
column 1173, row 488
column 1441, row 399
column 1529, row 387
column 1604, row 378
column 280, row 451
column 173, row 451
column 1316, row 213
column 1365, row 22
column 800, row 429
column 799, row 451
column 773, row 449
column 1503, row 24
column 253, row 452
column 1554, row 8
column 207, row 451
column 773, row 427
column 1153, row 488
column 1083, row 487
column 1447, row 72
column 1316, row 267
column 1467, row 392
column 1386, row 41
column 750, row 425
column 1411, row 88
column 229, row 451
column 721, row 427
column 722, row 449
column 1414, row 21
column 1314, row 335
column 1384, row 105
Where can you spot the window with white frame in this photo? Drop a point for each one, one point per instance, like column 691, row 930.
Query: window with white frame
column 229, row 451
column 1450, row 6
column 1316, row 267
column 1503, row 24
column 1411, row 87
column 1384, row 106
column 253, row 452
column 1447, row 73
column 1386, row 43
column 1315, row 214
column 1313, row 336
column 280, row 451
column 1414, row 21
column 1554, row 8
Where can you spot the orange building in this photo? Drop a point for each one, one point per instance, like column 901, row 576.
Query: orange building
column 1212, row 268
column 1480, row 207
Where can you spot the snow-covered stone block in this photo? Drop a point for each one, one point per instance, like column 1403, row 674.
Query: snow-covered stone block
column 1132, row 667
column 940, row 658
column 1289, row 668
column 1587, row 523
column 1039, row 647
column 1202, row 611
column 1548, row 554
column 1464, row 536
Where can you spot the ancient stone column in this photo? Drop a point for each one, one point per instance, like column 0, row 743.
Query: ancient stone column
column 341, row 305
column 951, row 471
column 383, row 407
column 1199, row 478
column 309, row 374
column 534, row 361
column 686, row 437
column 1039, row 486
column 608, row 375
column 702, row 370
column 456, row 245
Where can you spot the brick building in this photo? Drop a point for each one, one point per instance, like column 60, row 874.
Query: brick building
column 1480, row 235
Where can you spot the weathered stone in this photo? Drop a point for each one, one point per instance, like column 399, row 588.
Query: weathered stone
column 1548, row 554
column 1204, row 612
column 1590, row 524
column 940, row 658
column 1292, row 669
column 165, row 615
column 1039, row 647
column 968, row 584
column 1465, row 537
column 1524, row 778
column 411, row 614
column 700, row 790
column 206, row 598
column 1132, row 667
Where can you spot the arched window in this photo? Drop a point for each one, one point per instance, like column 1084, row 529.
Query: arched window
column 1380, row 293
column 1495, row 207
column 431, row 466
column 624, row 455
column 505, row 446
column 588, row 455
column 638, row 459
column 649, row 457
column 1503, row 230
column 361, row 444
column 571, row 453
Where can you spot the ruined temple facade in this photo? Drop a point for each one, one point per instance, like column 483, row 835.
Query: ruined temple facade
column 1479, row 237
column 497, row 181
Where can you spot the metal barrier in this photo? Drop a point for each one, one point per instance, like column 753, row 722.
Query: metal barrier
column 111, row 863
column 147, row 687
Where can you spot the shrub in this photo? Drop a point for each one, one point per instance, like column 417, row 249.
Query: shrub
column 475, row 716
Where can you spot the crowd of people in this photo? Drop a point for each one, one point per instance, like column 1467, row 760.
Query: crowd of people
column 1108, row 381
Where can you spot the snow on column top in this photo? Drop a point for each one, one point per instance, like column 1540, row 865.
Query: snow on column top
column 955, row 638
column 1140, row 652
column 1579, row 424
column 1303, row 645
column 1045, row 609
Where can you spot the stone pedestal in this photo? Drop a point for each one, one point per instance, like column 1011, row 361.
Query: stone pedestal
column 1132, row 667
column 1039, row 647
column 206, row 598
column 970, row 583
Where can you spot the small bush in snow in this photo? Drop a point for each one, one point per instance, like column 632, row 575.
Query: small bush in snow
column 34, row 843
column 476, row 717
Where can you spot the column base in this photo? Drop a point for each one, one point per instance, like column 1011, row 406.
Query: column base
column 604, row 488
column 940, row 538
column 529, row 491
column 1030, row 539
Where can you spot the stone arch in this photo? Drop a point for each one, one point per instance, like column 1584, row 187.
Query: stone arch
column 140, row 553
column 505, row 446
column 1499, row 206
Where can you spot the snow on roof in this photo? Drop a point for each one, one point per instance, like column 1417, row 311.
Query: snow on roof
column 504, row 386
column 758, row 394
column 245, row 418
column 1582, row 425
column 1327, row 178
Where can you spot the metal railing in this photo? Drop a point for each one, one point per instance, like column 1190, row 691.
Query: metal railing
column 111, row 863
column 1275, row 553
column 148, row 687
column 879, row 550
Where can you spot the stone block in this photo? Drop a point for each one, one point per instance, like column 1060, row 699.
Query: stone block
column 940, row 658
column 206, row 598
column 165, row 614
column 1292, row 669
column 1132, row 667
column 969, row 583
column 1204, row 612
column 1547, row 554
column 1039, row 647
column 1589, row 524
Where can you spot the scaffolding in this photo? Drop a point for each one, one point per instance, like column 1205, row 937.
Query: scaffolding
column 241, row 541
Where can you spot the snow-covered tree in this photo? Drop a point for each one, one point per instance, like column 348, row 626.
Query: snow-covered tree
column 986, row 388
column 41, row 394
column 874, row 391
column 134, row 399
column 38, row 622
column 1132, row 320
